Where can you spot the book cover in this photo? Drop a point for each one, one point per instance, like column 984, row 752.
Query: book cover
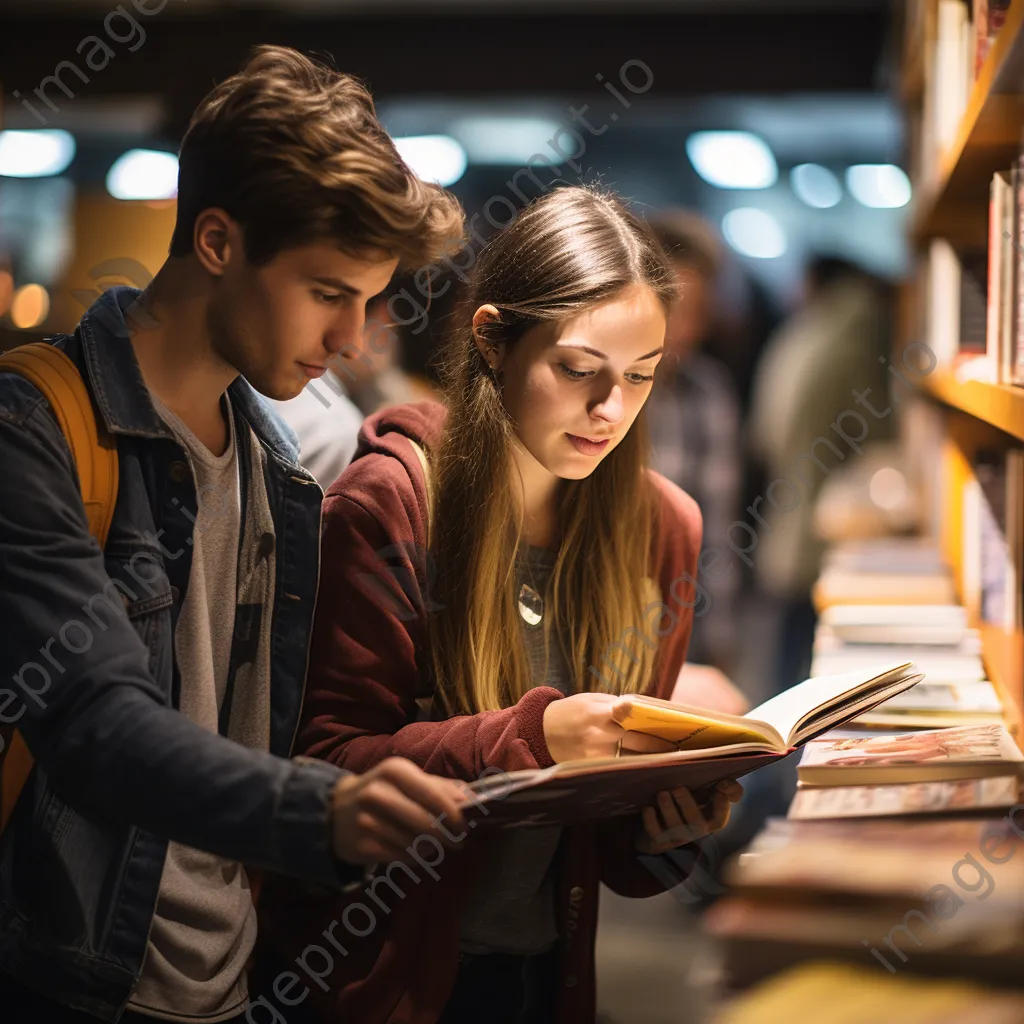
column 967, row 752
column 910, row 798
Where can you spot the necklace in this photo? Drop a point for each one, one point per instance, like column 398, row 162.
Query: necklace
column 531, row 605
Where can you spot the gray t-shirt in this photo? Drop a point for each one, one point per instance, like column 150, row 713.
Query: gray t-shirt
column 512, row 906
column 204, row 928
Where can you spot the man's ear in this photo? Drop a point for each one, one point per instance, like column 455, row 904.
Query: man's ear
column 216, row 238
column 492, row 351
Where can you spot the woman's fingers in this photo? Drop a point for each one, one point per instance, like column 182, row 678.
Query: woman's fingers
column 732, row 789
column 720, row 807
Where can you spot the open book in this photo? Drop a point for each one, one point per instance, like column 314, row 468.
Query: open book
column 789, row 720
column 711, row 746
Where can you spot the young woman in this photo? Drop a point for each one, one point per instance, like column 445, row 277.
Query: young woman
column 553, row 580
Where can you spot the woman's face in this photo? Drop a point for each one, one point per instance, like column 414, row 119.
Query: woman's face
column 573, row 390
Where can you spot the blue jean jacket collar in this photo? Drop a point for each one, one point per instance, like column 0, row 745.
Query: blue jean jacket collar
column 121, row 393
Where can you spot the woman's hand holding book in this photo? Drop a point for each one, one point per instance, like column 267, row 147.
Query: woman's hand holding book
column 581, row 726
column 678, row 819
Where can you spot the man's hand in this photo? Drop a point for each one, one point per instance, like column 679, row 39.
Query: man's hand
column 377, row 816
column 677, row 818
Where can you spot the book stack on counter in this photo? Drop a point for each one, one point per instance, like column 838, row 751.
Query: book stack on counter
column 903, row 848
column 843, row 994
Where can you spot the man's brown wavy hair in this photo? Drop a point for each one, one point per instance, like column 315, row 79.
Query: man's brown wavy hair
column 293, row 151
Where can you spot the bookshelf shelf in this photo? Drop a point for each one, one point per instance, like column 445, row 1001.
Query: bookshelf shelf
column 1000, row 405
column 989, row 140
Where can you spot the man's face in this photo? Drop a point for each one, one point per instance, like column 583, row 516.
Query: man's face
column 282, row 324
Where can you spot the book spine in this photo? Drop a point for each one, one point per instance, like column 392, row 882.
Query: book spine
column 1018, row 272
column 1014, row 520
column 981, row 33
column 994, row 309
column 1008, row 309
column 944, row 288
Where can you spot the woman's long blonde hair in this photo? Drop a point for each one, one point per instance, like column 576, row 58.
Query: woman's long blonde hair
column 565, row 253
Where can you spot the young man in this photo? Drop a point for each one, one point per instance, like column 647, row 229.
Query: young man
column 159, row 683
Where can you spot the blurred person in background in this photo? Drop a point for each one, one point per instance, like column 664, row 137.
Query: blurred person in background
column 830, row 347
column 694, row 420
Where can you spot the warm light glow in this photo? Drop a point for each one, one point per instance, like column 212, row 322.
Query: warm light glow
column 143, row 174
column 512, row 141
column 816, row 186
column 879, row 186
column 35, row 154
column 6, row 291
column 732, row 159
column 31, row 306
column 436, row 158
column 888, row 488
column 755, row 233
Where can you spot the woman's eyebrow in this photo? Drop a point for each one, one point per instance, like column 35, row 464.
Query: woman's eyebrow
column 601, row 355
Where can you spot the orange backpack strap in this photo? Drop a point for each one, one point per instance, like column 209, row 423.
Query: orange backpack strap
column 94, row 451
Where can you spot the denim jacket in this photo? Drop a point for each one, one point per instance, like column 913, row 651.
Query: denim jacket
column 88, row 676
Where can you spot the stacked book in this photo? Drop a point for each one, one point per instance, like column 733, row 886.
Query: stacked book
column 898, row 848
column 842, row 994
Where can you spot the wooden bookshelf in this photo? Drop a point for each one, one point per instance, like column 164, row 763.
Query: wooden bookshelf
column 989, row 140
column 999, row 405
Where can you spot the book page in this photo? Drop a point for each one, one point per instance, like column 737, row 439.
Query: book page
column 786, row 712
column 692, row 728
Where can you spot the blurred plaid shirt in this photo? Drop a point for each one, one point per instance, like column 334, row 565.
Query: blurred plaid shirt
column 694, row 422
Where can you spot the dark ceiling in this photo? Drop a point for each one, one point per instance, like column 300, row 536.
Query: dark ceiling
column 471, row 49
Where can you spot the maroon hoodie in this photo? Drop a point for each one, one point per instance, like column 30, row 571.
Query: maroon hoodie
column 394, row 953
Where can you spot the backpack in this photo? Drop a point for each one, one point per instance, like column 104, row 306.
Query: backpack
column 94, row 452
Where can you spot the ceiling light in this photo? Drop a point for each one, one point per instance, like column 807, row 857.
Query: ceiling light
column 435, row 158
column 510, row 141
column 815, row 185
column 880, row 186
column 732, row 159
column 755, row 233
column 35, row 154
column 30, row 307
column 144, row 174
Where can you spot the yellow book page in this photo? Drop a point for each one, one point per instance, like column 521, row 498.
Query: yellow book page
column 687, row 729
